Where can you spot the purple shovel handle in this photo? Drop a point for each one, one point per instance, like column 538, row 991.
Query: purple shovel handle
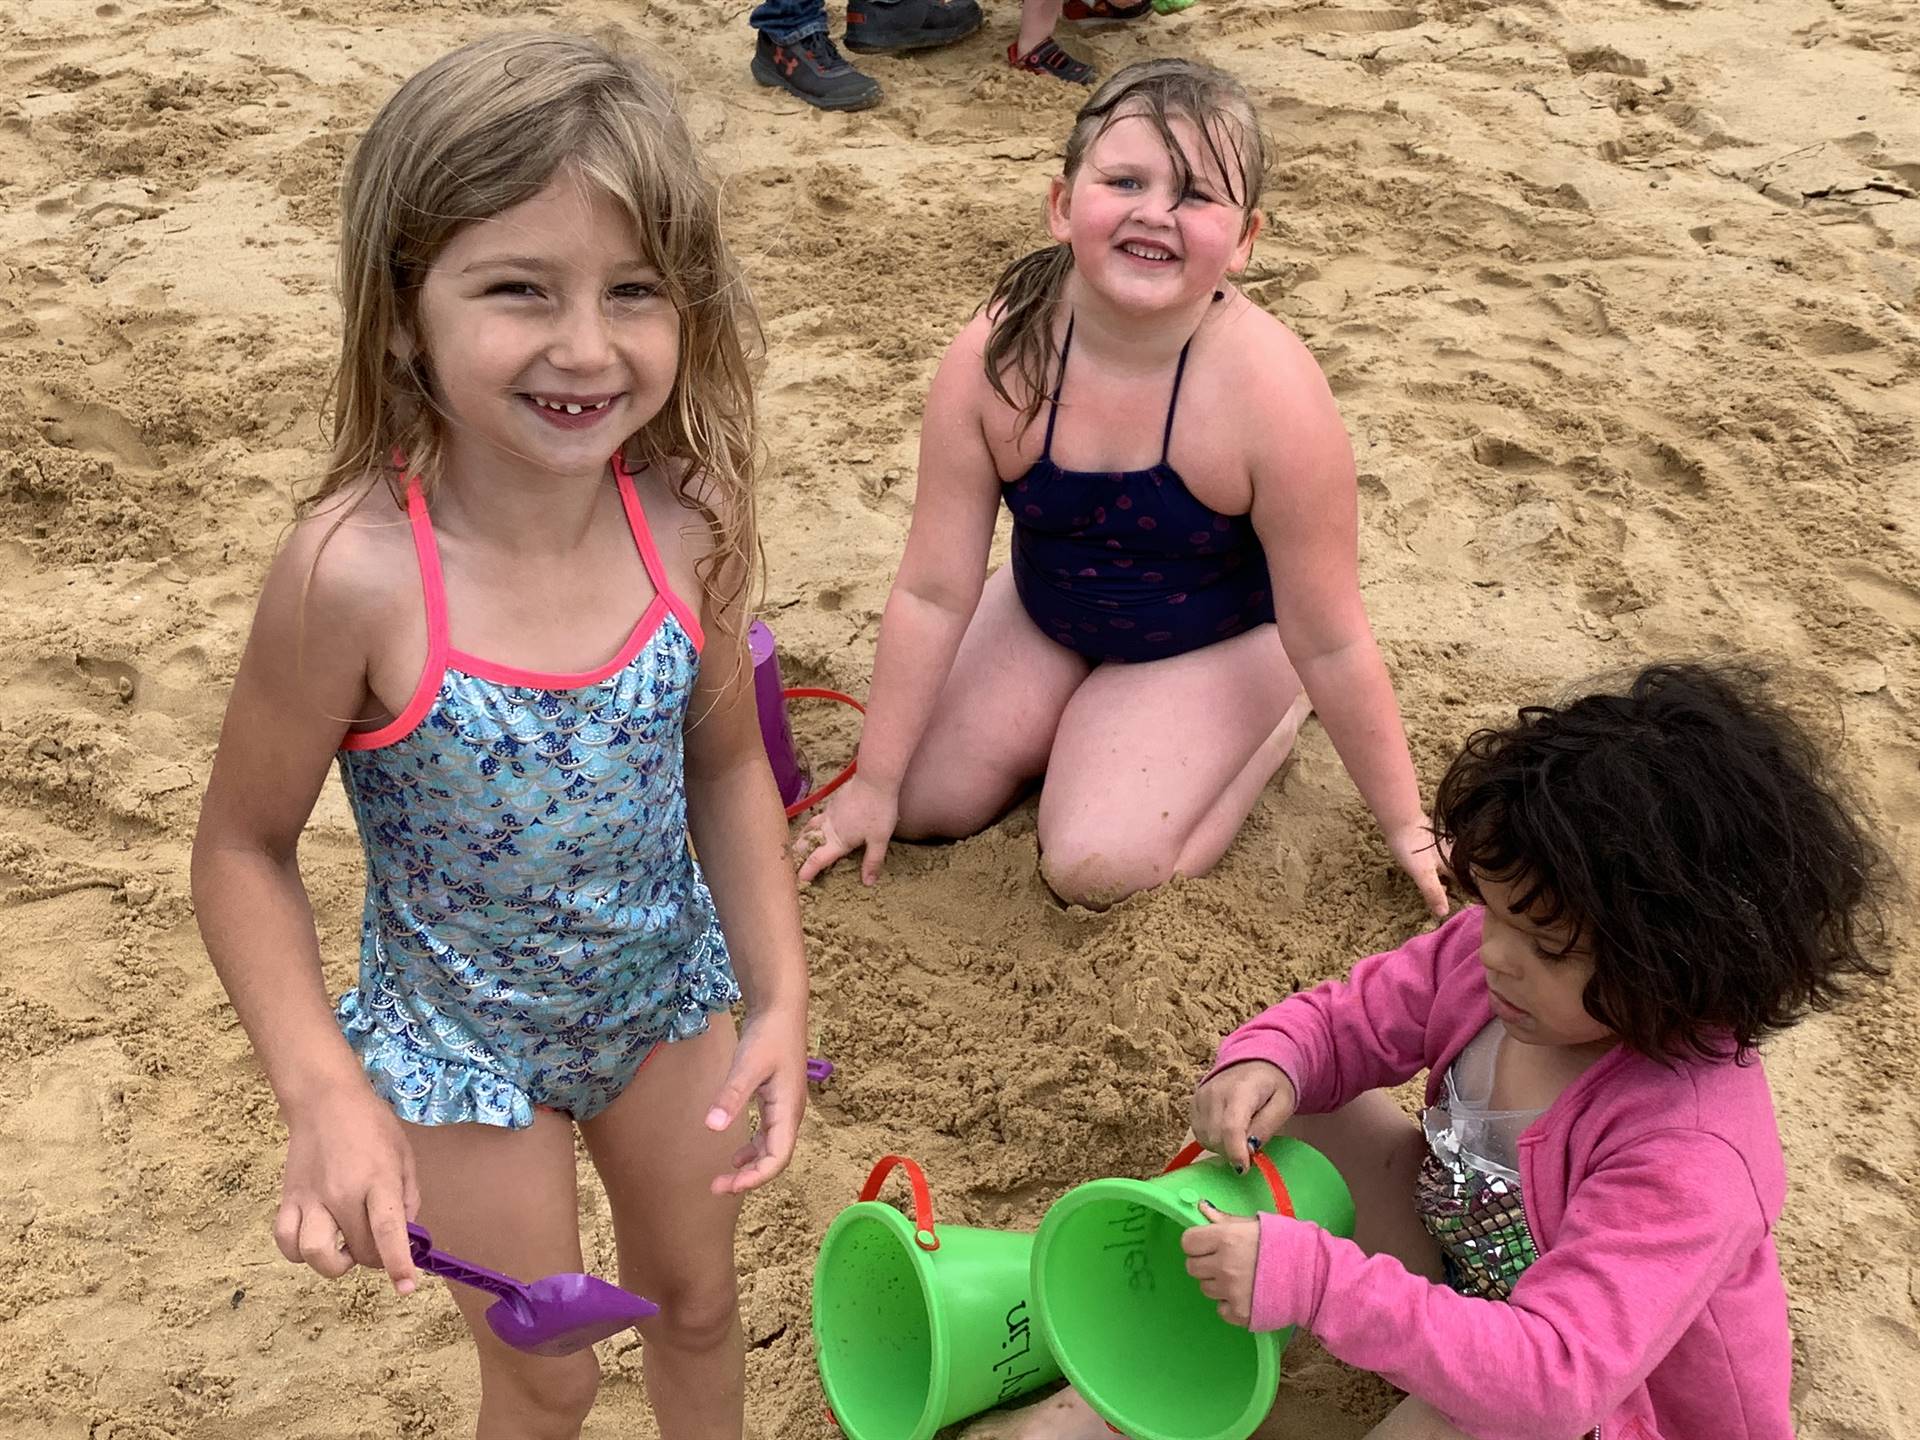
column 464, row 1272
column 818, row 1069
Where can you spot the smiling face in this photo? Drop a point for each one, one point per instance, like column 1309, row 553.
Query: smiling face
column 548, row 336
column 1535, row 981
column 1149, row 234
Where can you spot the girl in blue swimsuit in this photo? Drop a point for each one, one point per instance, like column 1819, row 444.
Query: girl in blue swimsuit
column 512, row 616
column 1183, row 585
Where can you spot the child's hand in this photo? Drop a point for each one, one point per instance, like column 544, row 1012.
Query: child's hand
column 770, row 1067
column 1221, row 1255
column 348, row 1190
column 1242, row 1108
column 1417, row 852
column 860, row 817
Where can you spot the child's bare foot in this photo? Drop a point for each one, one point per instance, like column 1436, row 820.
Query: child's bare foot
column 1062, row 1415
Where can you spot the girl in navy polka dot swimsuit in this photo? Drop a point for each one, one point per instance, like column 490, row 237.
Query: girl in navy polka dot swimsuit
column 1129, row 564
column 1183, row 585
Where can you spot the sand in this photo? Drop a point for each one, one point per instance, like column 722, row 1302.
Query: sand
column 1617, row 299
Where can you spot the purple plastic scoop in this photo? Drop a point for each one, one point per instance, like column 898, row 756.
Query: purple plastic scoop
column 554, row 1316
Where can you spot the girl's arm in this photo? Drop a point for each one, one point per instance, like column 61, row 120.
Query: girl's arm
column 1345, row 1037
column 1306, row 512
column 349, row 1170
column 1646, row 1241
column 933, row 598
column 739, row 832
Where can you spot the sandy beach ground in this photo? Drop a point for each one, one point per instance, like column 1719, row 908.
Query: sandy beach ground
column 1618, row 299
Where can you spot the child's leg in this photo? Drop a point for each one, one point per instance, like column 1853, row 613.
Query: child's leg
column 529, row 1228
column 993, row 725
column 1378, row 1150
column 657, row 1159
column 1415, row 1420
column 1037, row 20
column 1155, row 766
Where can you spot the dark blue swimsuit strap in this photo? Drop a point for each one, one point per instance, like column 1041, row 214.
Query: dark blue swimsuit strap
column 1173, row 401
column 1053, row 405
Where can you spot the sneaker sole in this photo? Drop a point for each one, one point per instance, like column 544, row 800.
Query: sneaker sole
column 770, row 77
column 912, row 42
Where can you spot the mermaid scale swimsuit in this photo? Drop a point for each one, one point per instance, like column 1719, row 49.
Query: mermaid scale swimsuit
column 535, row 922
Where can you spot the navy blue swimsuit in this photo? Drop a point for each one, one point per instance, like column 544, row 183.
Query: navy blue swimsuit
column 1127, row 564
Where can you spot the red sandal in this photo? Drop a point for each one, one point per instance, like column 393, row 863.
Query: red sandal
column 1083, row 10
column 1047, row 58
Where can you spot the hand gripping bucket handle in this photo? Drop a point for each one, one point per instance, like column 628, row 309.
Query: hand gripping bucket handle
column 1282, row 1197
column 1282, row 1200
column 1131, row 1328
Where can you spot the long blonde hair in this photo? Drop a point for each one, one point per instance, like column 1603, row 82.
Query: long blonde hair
column 1020, row 340
column 479, row 131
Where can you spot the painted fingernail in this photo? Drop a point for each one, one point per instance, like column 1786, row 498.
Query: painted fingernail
column 1253, row 1144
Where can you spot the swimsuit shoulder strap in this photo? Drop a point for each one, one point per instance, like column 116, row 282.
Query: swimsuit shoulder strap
column 650, row 554
column 433, row 583
column 1053, row 405
column 1173, row 401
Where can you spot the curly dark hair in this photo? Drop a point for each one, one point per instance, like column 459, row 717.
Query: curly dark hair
column 1689, row 831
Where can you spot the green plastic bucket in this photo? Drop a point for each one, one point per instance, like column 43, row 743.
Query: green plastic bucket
column 915, row 1328
column 1130, row 1327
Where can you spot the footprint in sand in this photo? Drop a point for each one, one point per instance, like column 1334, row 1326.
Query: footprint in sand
column 1502, row 452
column 1836, row 337
column 1662, row 466
column 1891, row 599
column 1579, row 310
column 57, row 1146
column 96, row 429
column 1332, row 20
column 1605, row 59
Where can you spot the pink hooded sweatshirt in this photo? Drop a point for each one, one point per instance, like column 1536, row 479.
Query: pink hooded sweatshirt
column 1656, row 1309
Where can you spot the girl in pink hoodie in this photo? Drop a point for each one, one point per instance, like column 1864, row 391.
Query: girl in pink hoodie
column 1577, row 1239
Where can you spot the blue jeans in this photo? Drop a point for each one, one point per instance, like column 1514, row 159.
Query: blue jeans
column 786, row 22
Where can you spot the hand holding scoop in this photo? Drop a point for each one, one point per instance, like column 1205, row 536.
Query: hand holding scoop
column 554, row 1316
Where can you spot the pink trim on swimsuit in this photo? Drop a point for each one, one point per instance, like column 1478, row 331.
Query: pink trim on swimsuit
column 433, row 586
column 441, row 656
column 650, row 557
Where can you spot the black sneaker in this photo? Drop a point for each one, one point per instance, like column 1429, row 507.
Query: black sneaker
column 819, row 74
column 881, row 26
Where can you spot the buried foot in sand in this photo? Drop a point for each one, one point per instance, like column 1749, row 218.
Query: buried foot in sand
column 1063, row 1415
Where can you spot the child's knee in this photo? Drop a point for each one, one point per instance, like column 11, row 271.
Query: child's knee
column 697, row 1316
column 1097, row 871
column 542, row 1396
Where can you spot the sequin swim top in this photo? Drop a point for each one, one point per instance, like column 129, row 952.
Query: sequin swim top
column 1468, row 1191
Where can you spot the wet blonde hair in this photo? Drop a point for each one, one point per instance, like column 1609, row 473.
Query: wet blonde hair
column 480, row 131
column 1020, row 340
